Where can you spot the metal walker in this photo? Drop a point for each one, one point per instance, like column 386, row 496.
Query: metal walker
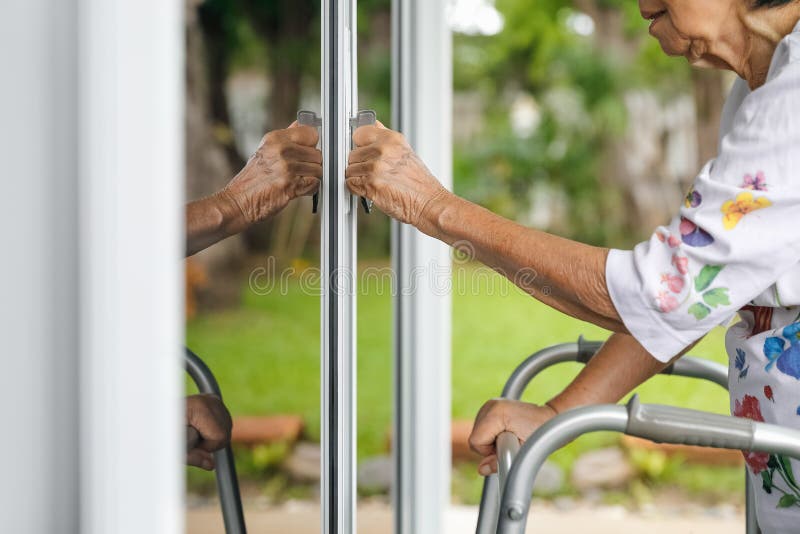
column 506, row 499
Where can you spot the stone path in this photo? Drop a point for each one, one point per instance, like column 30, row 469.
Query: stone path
column 376, row 518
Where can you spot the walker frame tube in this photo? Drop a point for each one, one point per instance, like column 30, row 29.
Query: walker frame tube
column 668, row 424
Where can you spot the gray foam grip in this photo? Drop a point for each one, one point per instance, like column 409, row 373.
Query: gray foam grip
column 666, row 424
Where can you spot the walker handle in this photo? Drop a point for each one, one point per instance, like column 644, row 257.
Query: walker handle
column 666, row 424
column 507, row 445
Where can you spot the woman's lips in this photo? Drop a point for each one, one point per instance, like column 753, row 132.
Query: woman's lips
column 654, row 17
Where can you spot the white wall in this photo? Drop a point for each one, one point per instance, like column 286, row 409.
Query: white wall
column 91, row 156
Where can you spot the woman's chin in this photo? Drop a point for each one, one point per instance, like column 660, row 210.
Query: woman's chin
column 671, row 50
column 672, row 46
column 707, row 62
column 701, row 63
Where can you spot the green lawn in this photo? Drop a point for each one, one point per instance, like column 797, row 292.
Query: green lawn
column 266, row 355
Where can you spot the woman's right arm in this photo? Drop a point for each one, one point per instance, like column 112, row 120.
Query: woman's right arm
column 564, row 274
column 620, row 366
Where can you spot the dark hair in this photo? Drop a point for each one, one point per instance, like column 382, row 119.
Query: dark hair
column 771, row 3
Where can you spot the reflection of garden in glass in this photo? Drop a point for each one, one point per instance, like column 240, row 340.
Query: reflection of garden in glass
column 266, row 356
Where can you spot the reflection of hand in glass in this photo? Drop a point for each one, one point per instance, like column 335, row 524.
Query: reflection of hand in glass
column 210, row 426
column 286, row 166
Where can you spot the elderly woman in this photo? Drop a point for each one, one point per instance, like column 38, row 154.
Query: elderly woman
column 732, row 248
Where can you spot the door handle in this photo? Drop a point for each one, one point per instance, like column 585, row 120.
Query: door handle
column 363, row 118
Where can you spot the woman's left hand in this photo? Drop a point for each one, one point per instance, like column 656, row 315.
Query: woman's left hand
column 503, row 415
column 386, row 170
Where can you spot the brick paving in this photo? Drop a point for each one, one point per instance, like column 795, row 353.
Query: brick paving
column 303, row 518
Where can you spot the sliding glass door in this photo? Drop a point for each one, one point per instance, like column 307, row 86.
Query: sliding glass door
column 421, row 109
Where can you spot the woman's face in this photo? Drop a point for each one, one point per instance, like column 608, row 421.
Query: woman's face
column 689, row 27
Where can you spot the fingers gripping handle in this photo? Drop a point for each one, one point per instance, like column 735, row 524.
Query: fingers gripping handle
column 666, row 424
column 309, row 118
column 364, row 118
column 192, row 438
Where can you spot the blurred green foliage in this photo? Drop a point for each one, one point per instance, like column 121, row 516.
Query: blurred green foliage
column 578, row 82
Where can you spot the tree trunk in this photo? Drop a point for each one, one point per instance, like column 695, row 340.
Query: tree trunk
column 208, row 166
column 287, row 29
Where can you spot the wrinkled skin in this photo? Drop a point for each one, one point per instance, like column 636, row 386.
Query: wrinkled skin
column 498, row 416
column 384, row 158
column 604, row 380
column 206, row 414
column 722, row 34
column 286, row 166
column 688, row 28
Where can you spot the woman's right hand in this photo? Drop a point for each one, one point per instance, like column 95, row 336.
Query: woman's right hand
column 385, row 169
column 501, row 415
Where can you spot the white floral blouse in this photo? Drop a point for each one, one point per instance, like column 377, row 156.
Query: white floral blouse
column 735, row 248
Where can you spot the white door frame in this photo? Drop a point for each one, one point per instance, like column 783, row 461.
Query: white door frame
column 422, row 103
column 131, row 93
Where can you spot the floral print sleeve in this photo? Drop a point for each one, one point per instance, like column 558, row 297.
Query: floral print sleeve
column 737, row 233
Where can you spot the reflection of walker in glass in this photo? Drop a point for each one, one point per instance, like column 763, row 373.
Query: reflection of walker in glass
column 287, row 165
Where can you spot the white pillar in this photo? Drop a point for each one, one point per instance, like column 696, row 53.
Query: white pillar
column 131, row 171
column 91, row 146
column 422, row 102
